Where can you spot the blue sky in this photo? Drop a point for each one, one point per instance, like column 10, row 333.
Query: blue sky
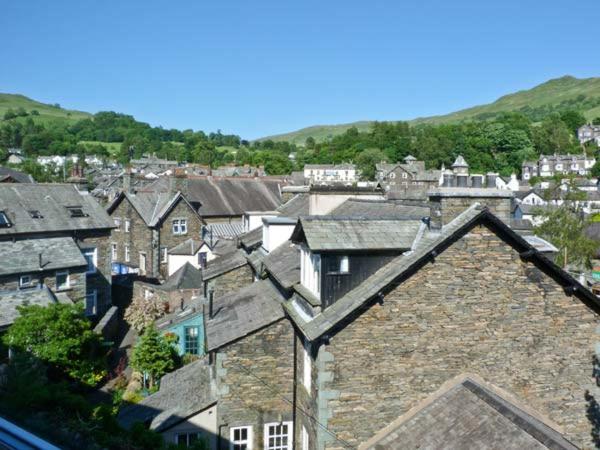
column 257, row 68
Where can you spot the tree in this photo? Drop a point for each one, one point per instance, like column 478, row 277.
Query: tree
column 366, row 160
column 278, row 164
column 565, row 228
column 573, row 119
column 59, row 335
column 141, row 312
column 595, row 171
column 153, row 355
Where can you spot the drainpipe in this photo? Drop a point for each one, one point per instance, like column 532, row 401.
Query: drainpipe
column 211, row 294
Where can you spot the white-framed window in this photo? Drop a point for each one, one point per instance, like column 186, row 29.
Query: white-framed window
column 306, row 365
column 344, row 264
column 240, row 438
column 186, row 439
column 91, row 303
column 117, row 223
column 180, row 226
column 127, row 225
column 24, row 281
column 113, row 252
column 91, row 256
column 163, row 254
column 305, row 439
column 278, row 436
column 310, row 271
column 63, row 280
column 404, row 175
column 127, row 253
column 142, row 263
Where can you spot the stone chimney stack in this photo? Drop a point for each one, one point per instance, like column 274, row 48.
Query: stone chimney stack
column 127, row 181
column 178, row 182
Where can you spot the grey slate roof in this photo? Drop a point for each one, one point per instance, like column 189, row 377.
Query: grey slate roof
column 19, row 177
column 283, row 264
column 191, row 309
column 252, row 238
column 383, row 209
column 225, row 230
column 186, row 277
column 188, row 247
column 51, row 200
column 468, row 415
column 243, row 312
column 10, row 300
column 183, row 393
column 335, row 233
column 22, row 256
column 460, row 162
column 224, row 264
column 151, row 206
column 296, row 206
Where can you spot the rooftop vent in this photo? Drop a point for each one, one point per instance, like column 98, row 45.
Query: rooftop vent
column 76, row 211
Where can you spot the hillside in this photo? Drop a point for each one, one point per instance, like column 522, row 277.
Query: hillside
column 554, row 95
column 47, row 113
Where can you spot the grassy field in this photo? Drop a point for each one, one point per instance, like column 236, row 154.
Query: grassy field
column 47, row 113
column 549, row 94
column 112, row 147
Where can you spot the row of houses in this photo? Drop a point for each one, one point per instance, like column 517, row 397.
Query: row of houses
column 347, row 319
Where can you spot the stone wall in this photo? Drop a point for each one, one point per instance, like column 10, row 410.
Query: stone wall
column 445, row 207
column 231, row 281
column 101, row 280
column 477, row 308
column 254, row 375
column 77, row 282
column 171, row 298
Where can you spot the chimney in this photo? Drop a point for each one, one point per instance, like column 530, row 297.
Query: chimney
column 178, row 182
column 448, row 179
column 477, row 181
column 462, row 180
column 491, row 180
column 127, row 181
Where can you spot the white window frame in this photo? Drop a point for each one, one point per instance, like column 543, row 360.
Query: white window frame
column 94, row 295
column 127, row 255
column 117, row 221
column 127, row 225
column 67, row 285
column 144, row 256
column 248, row 441
column 114, row 251
column 24, row 285
column 290, row 436
column 164, row 257
column 306, row 366
column 93, row 251
column 179, row 226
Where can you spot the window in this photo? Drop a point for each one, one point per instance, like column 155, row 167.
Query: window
column 186, row 439
column 91, row 303
column 142, row 263
column 127, row 225
column 240, row 438
column 344, row 264
column 62, row 280
column 35, row 214
column 4, row 222
column 191, row 340
column 202, row 259
column 310, row 271
column 76, row 211
column 163, row 254
column 306, row 366
column 117, row 224
column 127, row 253
column 24, row 281
column 180, row 226
column 278, row 436
column 404, row 175
column 91, row 256
column 305, row 439
column 113, row 252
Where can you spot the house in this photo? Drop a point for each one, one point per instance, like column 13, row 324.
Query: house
column 15, row 159
column 147, row 225
column 187, row 323
column 55, row 236
column 589, row 132
column 193, row 251
column 152, row 164
column 410, row 176
column 327, row 173
column 14, row 176
column 550, row 165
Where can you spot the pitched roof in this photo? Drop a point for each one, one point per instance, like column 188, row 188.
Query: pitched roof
column 343, row 166
column 182, row 393
column 348, row 233
column 225, row 230
column 19, row 177
column 459, row 162
column 52, row 201
column 383, row 209
column 243, row 312
column 190, row 310
column 10, row 300
column 152, row 206
column 188, row 247
column 23, row 256
column 186, row 277
column 283, row 264
column 469, row 413
column 430, row 243
column 224, row 264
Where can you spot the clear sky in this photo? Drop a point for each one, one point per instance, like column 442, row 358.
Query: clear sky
column 260, row 67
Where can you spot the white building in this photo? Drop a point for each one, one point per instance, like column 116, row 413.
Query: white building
column 324, row 173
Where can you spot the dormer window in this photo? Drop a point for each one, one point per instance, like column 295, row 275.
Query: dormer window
column 35, row 214
column 76, row 211
column 344, row 264
column 310, row 271
column 4, row 222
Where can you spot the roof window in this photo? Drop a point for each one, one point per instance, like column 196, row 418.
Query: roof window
column 76, row 211
column 4, row 222
column 35, row 214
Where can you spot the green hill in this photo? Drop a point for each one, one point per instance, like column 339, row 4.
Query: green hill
column 554, row 95
column 47, row 113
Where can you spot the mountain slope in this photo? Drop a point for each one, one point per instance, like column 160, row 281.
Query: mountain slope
column 47, row 113
column 554, row 95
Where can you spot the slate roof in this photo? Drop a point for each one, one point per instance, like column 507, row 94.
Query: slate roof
column 459, row 162
column 190, row 310
column 243, row 312
column 343, row 166
column 183, row 393
column 22, row 256
column 327, row 233
column 252, row 238
column 227, row 196
column 151, row 206
column 541, row 245
column 186, row 277
column 19, row 177
column 188, row 247
column 383, row 209
column 283, row 264
column 224, row 264
column 226, row 230
column 296, row 206
column 10, row 300
column 51, row 200
column 468, row 414
column 424, row 248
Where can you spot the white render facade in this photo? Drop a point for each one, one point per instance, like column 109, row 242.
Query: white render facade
column 550, row 165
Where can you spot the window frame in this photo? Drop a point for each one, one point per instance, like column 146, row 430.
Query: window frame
column 25, row 285
column 187, row 435
column 114, row 254
column 164, row 255
column 94, row 254
column 68, row 280
column 186, row 339
column 290, row 436
column 248, row 442
column 127, row 228
column 117, row 221
column 94, row 295
column 344, row 264
column 127, row 253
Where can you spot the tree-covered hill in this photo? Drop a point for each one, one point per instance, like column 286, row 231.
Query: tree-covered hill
column 557, row 95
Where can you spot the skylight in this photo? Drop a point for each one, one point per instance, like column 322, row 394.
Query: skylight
column 4, row 222
column 35, row 214
column 76, row 211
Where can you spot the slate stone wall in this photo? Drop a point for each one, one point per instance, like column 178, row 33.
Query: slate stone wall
column 478, row 308
column 445, row 209
column 77, row 279
column 231, row 281
column 254, row 375
column 101, row 281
